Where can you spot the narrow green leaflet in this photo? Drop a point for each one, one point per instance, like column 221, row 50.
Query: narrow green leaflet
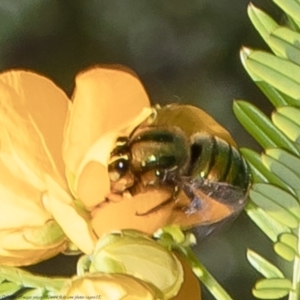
column 278, row 72
column 279, row 283
column 260, row 173
column 276, row 211
column 272, row 288
column 287, row 246
column 285, row 251
column 263, row 23
column 265, row 222
column 261, row 127
column 277, row 196
column 285, row 173
column 289, row 239
column 277, row 98
column 291, row 113
column 270, row 293
column 285, row 43
column 290, row 7
column 287, row 119
column 287, row 126
column 289, row 160
column 263, row 266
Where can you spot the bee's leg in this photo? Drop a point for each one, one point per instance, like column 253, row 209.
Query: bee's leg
column 195, row 201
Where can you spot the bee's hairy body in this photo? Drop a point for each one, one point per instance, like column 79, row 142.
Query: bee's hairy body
column 181, row 146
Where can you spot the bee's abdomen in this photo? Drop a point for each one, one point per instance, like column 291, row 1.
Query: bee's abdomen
column 215, row 159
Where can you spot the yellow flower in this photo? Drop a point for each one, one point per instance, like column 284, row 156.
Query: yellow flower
column 54, row 155
column 107, row 103
column 49, row 146
column 28, row 155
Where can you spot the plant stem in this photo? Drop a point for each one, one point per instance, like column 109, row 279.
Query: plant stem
column 27, row 279
column 295, row 292
column 204, row 276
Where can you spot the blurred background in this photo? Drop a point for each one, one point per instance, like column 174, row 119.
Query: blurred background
column 184, row 51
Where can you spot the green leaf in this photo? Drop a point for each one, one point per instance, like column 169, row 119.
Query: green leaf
column 288, row 160
column 285, row 173
column 266, row 223
column 260, row 174
column 287, row 119
column 278, row 72
column 277, row 98
column 9, row 289
column 285, row 43
column 285, row 251
column 290, row 7
column 264, row 24
column 291, row 113
column 261, row 127
column 276, row 211
column 272, row 288
column 279, row 197
column 288, row 127
column 269, row 293
column 290, row 240
column 287, row 246
column 279, row 283
column 263, row 266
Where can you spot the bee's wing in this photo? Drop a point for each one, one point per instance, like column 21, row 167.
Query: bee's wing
column 206, row 205
column 222, row 192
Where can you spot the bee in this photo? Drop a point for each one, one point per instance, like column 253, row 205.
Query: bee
column 183, row 150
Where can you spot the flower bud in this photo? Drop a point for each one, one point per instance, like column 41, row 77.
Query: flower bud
column 111, row 287
column 133, row 253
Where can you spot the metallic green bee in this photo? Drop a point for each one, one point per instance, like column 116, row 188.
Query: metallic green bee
column 182, row 149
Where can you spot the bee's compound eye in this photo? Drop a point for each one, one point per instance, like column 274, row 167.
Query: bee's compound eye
column 118, row 168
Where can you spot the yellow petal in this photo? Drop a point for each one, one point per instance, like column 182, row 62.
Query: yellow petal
column 62, row 207
column 91, row 183
column 136, row 212
column 17, row 240
column 104, row 99
column 39, row 101
column 20, row 202
column 20, row 252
